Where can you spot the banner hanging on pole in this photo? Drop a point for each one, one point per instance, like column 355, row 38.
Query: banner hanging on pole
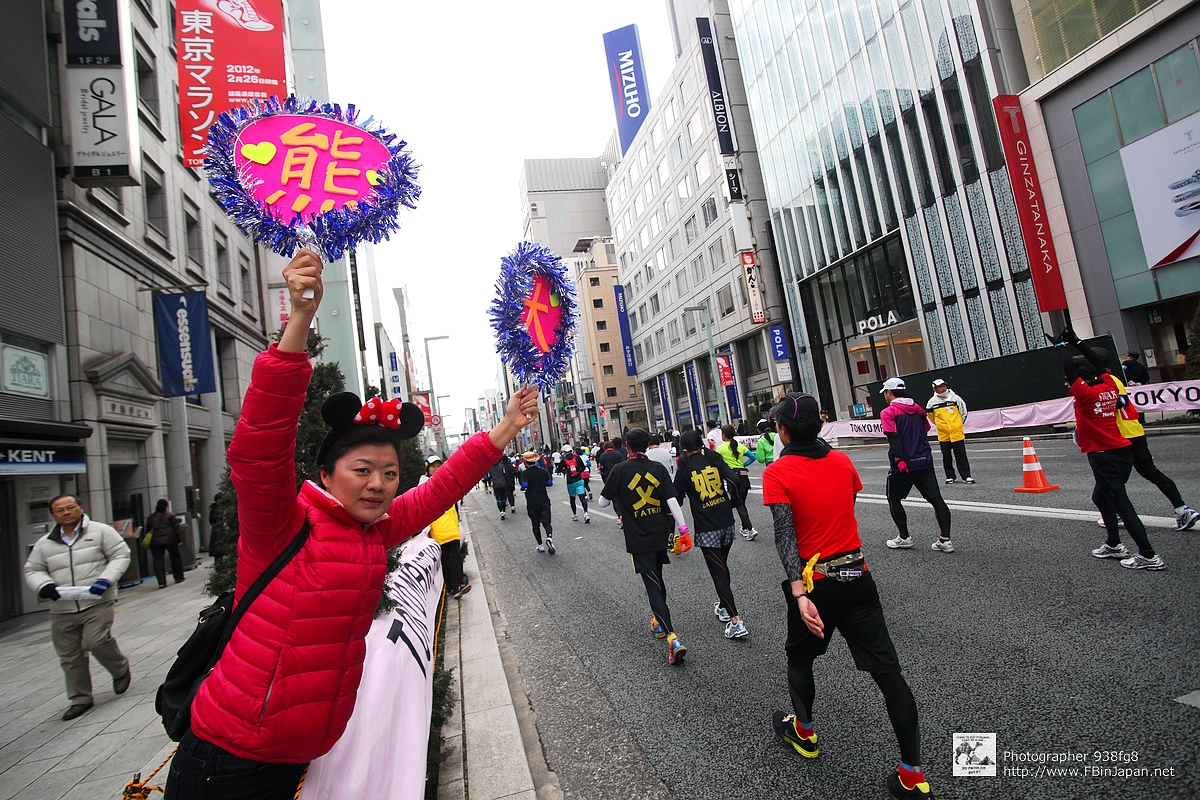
column 665, row 397
column 185, row 356
column 626, row 336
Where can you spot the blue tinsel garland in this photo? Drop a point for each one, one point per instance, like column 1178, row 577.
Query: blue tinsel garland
column 513, row 342
column 336, row 231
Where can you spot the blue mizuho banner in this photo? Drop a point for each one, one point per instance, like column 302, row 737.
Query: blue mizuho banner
column 185, row 357
column 626, row 336
column 665, row 397
column 631, row 98
column 694, row 395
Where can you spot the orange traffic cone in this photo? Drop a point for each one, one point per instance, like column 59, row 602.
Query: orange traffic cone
column 1035, row 477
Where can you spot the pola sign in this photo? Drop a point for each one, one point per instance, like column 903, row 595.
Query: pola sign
column 872, row 324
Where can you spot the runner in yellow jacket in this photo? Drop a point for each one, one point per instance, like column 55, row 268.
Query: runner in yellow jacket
column 948, row 412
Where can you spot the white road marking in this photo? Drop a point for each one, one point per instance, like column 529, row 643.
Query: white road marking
column 1190, row 699
column 592, row 510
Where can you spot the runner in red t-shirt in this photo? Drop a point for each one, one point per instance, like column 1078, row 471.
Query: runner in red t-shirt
column 1109, row 454
column 810, row 490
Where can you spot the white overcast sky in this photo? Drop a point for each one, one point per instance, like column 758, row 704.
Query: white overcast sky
column 476, row 88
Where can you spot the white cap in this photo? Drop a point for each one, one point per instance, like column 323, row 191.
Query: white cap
column 893, row 383
column 433, row 459
column 566, row 448
column 938, row 381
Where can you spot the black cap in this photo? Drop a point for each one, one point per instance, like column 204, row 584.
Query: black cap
column 1134, row 353
column 793, row 404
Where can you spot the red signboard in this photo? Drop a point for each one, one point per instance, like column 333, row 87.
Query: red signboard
column 230, row 52
column 725, row 370
column 1027, row 190
column 421, row 400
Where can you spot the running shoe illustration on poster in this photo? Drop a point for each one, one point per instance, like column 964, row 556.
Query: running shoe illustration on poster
column 243, row 13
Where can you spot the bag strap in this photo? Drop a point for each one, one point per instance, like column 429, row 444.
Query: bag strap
column 257, row 588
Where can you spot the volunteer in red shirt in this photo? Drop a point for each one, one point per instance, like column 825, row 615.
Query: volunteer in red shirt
column 1109, row 454
column 810, row 489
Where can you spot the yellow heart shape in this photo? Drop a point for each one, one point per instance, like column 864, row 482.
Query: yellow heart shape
column 260, row 153
column 372, row 177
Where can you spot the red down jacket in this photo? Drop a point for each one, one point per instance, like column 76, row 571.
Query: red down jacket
column 285, row 686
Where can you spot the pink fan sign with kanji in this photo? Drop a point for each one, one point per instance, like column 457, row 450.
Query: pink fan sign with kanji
column 542, row 315
column 304, row 166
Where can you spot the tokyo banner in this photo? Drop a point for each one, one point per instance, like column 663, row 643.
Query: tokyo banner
column 626, row 336
column 631, row 98
column 230, row 53
column 421, row 401
column 185, row 356
column 1027, row 191
column 665, row 397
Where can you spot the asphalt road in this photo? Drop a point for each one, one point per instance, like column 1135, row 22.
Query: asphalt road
column 1020, row 632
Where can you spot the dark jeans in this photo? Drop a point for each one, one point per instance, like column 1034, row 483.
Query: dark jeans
column 899, row 484
column 160, row 563
column 540, row 517
column 506, row 497
column 203, row 771
column 1111, row 469
column 1143, row 462
column 955, row 450
column 452, row 568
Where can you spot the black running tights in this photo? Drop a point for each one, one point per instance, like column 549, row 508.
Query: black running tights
column 899, row 484
column 743, row 487
column 717, row 560
column 656, row 591
column 901, row 707
column 582, row 499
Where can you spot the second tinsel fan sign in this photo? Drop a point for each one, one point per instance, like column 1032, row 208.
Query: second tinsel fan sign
column 534, row 315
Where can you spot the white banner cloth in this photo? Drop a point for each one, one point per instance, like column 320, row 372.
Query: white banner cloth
column 383, row 751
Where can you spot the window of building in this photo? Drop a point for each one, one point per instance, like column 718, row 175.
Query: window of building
column 656, row 223
column 690, row 229
column 629, row 289
column 642, row 313
column 605, row 347
column 633, row 322
column 637, row 281
column 698, row 270
column 687, row 87
column 703, row 168
column 725, row 300
column 644, row 238
column 660, row 258
column 666, row 292
column 710, row 211
column 695, row 127
column 156, row 198
column 601, row 325
column 716, row 254
column 676, row 150
column 598, row 302
column 247, row 283
column 608, row 369
column 610, row 391
column 648, row 190
column 633, row 390
column 741, row 284
column 676, row 247
column 654, row 306
column 638, row 358
column 689, row 324
column 656, row 136
column 752, row 355
column 610, row 250
column 664, row 173
column 683, row 189
column 673, row 331
column 669, row 111
column 644, row 156
column 147, row 82
column 635, row 170
column 224, row 268
column 649, row 269
column 195, row 236
column 681, row 283
column 623, row 260
column 593, row 281
column 638, row 205
column 660, row 339
column 669, row 208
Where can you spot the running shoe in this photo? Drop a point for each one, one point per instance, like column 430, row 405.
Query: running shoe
column 736, row 630
column 502, row 515
column 242, row 13
column 749, row 534
column 904, row 783
column 460, row 591
column 550, row 545
column 786, row 728
column 1107, row 551
column 574, row 518
column 1139, row 561
column 1121, row 524
column 949, row 481
column 944, row 546
column 1186, row 519
column 720, row 611
column 620, row 524
column 657, row 628
column 675, row 649
column 968, row 480
column 586, row 519
column 541, row 548
column 899, row 543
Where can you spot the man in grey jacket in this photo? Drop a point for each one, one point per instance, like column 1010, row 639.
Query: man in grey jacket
column 80, row 552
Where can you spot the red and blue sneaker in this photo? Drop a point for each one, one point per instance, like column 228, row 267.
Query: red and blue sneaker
column 906, row 782
column 657, row 628
column 789, row 728
column 675, row 649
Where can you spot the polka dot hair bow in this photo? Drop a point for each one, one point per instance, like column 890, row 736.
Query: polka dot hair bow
column 379, row 412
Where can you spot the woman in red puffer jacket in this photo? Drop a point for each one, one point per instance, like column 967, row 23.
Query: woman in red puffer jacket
column 285, row 686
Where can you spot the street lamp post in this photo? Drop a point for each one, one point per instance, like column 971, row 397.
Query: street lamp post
column 429, row 375
column 722, row 397
column 441, row 427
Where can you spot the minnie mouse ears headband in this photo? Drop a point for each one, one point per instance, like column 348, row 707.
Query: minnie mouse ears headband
column 343, row 411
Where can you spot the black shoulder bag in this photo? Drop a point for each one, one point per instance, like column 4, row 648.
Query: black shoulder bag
column 200, row 653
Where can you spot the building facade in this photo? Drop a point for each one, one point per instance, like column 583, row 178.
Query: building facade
column 689, row 213
column 1113, row 114
column 891, row 203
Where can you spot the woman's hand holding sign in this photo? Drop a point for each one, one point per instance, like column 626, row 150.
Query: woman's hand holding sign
column 303, row 276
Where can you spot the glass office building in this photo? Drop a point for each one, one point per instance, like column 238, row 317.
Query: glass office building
column 891, row 205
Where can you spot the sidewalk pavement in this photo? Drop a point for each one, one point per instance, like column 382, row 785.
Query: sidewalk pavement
column 94, row 756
